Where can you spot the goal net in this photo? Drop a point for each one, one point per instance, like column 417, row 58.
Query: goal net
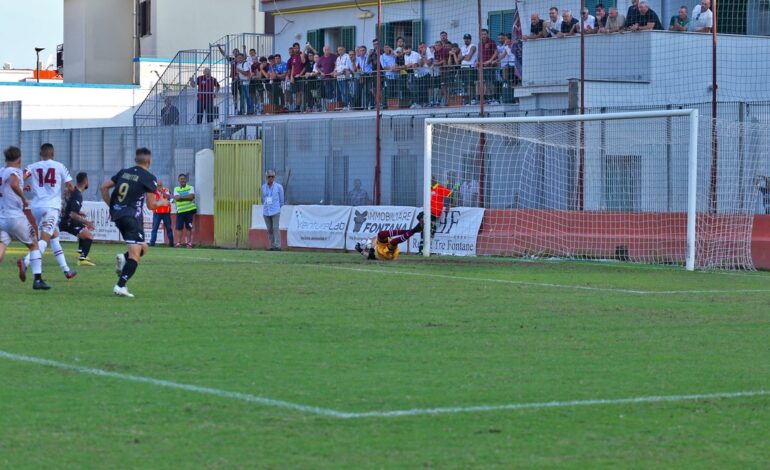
column 649, row 187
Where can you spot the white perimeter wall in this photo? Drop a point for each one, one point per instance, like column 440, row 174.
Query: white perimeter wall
column 66, row 106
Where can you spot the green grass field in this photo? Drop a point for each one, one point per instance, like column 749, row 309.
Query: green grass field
column 300, row 358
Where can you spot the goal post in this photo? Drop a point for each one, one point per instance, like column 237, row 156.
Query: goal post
column 630, row 186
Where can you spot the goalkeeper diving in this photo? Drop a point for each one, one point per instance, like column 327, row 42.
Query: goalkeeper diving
column 384, row 246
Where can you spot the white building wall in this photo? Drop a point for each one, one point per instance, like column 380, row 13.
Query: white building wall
column 193, row 24
column 98, row 41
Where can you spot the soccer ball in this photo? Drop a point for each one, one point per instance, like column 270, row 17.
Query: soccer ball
column 365, row 247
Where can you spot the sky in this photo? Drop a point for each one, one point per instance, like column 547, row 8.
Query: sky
column 26, row 24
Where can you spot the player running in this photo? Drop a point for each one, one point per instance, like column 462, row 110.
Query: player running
column 15, row 218
column 133, row 186
column 74, row 221
column 384, row 246
column 46, row 179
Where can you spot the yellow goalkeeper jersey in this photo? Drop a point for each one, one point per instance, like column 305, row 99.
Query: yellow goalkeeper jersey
column 382, row 252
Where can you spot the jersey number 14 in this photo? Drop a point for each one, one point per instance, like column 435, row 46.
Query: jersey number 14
column 49, row 178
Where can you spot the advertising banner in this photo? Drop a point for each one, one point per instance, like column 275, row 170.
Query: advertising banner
column 318, row 227
column 366, row 221
column 105, row 230
column 456, row 233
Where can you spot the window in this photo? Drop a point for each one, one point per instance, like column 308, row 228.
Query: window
column 500, row 22
column 344, row 36
column 733, row 17
column 338, row 178
column 411, row 31
column 622, row 175
column 144, row 18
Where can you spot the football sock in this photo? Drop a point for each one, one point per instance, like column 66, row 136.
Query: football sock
column 59, row 254
column 36, row 260
column 128, row 270
column 41, row 245
column 80, row 245
column 85, row 247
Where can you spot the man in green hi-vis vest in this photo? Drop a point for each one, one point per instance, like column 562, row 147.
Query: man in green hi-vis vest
column 184, row 195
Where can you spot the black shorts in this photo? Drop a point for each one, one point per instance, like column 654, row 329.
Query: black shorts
column 184, row 220
column 73, row 228
column 131, row 229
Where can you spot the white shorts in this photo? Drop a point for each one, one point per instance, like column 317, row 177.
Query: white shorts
column 18, row 228
column 47, row 219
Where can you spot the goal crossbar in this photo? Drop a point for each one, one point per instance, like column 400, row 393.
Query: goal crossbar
column 692, row 173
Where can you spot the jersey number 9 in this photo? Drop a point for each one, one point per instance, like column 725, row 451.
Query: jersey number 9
column 122, row 192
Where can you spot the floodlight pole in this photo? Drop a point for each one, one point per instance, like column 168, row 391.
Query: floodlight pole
column 38, row 50
column 378, row 110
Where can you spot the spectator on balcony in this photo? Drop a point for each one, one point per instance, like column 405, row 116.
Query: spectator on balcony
column 343, row 71
column 208, row 87
column 587, row 22
column 553, row 26
column 388, row 64
column 601, row 19
column 508, row 62
column 569, row 24
column 417, row 86
column 702, row 17
column 233, row 73
column 441, row 70
column 488, row 59
column 278, row 76
column 632, row 13
column 244, row 75
column 311, row 88
column 615, row 21
column 537, row 28
column 326, row 64
column 372, row 56
column 256, row 84
column 358, row 90
column 468, row 74
column 468, row 194
column 444, row 38
column 680, row 22
column 358, row 196
column 169, row 115
column 296, row 69
column 400, row 43
column 647, row 19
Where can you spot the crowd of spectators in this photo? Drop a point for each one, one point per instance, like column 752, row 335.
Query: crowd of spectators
column 438, row 74
column 442, row 73
column 639, row 17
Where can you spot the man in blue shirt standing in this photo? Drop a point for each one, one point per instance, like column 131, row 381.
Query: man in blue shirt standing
column 272, row 201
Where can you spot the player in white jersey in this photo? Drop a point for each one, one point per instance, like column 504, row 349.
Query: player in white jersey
column 15, row 219
column 46, row 179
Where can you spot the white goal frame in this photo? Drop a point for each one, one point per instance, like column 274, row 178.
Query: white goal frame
column 692, row 173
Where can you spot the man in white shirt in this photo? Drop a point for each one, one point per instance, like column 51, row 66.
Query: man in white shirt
column 702, row 18
column 415, row 86
column 343, row 70
column 587, row 22
column 14, row 219
column 244, row 77
column 553, row 25
column 46, row 179
column 468, row 74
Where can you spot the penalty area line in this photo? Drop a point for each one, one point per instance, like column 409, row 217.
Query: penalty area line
column 546, row 285
column 327, row 412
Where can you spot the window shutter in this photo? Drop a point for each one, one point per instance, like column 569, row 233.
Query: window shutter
column 494, row 24
column 314, row 38
column 416, row 33
column 348, row 37
column 387, row 35
column 507, row 24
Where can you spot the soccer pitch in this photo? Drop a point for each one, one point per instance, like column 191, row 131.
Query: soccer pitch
column 243, row 359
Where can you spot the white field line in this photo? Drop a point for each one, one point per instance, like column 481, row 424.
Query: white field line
column 497, row 281
column 269, row 402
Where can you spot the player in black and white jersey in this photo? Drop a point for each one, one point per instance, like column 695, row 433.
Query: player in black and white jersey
column 15, row 218
column 46, row 178
column 132, row 188
column 74, row 221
